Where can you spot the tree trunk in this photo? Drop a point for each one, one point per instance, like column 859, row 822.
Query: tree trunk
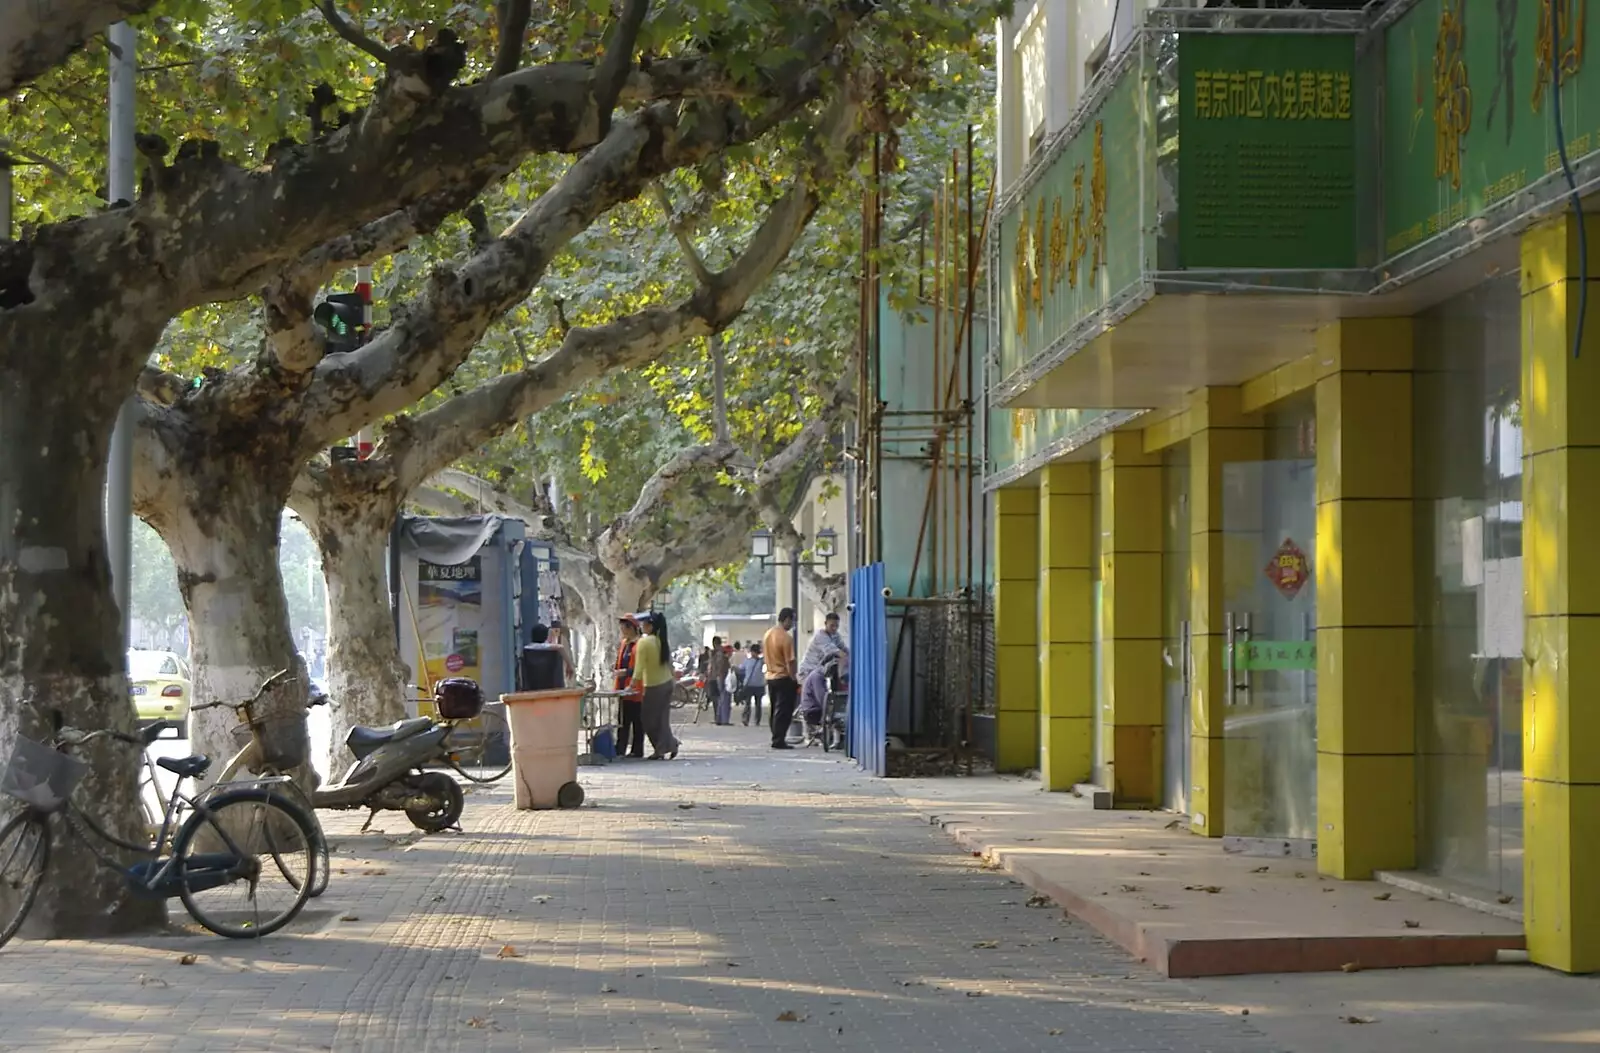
column 366, row 679
column 60, row 635
column 224, row 540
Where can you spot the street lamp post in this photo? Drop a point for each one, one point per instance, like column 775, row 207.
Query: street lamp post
column 825, row 548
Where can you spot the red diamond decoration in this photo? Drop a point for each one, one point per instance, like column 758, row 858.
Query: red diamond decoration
column 1289, row 568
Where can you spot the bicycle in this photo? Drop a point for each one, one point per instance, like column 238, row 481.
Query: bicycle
column 492, row 734
column 219, row 845
column 253, row 756
column 835, row 715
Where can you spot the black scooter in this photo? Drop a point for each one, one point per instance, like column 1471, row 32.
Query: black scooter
column 388, row 773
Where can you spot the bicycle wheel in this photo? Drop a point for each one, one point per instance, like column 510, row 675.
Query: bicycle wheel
column 24, row 854
column 245, row 859
column 483, row 756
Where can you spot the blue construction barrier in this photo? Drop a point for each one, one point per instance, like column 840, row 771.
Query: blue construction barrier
column 869, row 670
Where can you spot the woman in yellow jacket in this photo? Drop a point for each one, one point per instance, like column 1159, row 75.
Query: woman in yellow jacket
column 653, row 671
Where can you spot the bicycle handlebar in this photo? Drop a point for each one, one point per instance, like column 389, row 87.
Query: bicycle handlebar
column 74, row 737
column 280, row 677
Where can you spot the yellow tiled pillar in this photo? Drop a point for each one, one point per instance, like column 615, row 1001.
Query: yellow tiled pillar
column 1066, row 626
column 1561, row 590
column 1222, row 433
column 1016, row 629
column 1366, row 617
column 1130, row 572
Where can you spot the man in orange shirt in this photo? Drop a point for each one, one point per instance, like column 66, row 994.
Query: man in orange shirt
column 777, row 649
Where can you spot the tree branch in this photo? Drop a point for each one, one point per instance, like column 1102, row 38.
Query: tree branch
column 36, row 37
column 412, row 357
column 691, row 255
column 618, row 60
column 719, row 391
column 353, row 35
column 512, row 16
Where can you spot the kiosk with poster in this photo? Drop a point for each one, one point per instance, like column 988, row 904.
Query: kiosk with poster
column 467, row 594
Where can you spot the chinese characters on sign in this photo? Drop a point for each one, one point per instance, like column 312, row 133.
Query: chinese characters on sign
column 1262, row 655
column 1303, row 95
column 1452, row 95
column 1266, row 163
column 1288, row 569
column 1570, row 37
column 1045, row 252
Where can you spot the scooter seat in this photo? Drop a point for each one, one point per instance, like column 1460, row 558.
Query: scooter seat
column 186, row 767
column 367, row 739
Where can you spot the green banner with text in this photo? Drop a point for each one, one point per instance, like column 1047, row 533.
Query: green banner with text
column 1469, row 115
column 1266, row 151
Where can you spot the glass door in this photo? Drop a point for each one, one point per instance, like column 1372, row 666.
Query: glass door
column 1176, row 654
column 1270, row 727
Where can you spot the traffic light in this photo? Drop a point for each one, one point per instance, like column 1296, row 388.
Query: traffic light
column 341, row 315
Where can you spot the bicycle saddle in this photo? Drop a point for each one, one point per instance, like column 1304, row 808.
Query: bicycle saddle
column 368, row 739
column 187, row 767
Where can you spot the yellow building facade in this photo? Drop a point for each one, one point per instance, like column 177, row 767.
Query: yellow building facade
column 1292, row 450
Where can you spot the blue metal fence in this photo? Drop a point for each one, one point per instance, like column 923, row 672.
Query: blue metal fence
column 869, row 669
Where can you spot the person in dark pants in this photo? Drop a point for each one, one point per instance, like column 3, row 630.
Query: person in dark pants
column 755, row 684
column 632, row 701
column 777, row 649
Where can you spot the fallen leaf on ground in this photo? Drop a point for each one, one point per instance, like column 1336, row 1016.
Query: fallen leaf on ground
column 1159, row 906
column 1383, row 895
column 188, row 959
column 1504, row 899
column 439, row 898
column 1040, row 900
column 974, row 994
column 543, row 897
column 1260, row 870
column 145, row 980
column 1350, row 967
column 607, row 989
column 733, row 965
column 986, row 945
column 1413, row 924
column 349, row 917
column 1129, row 888
column 477, row 1021
column 789, row 1016
column 1358, row 1020
column 1173, row 825
column 1213, row 889
column 508, row 951
column 829, row 899
column 1054, row 1031
column 685, row 804
column 373, row 873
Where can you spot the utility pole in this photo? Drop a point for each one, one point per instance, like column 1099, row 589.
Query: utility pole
column 119, row 473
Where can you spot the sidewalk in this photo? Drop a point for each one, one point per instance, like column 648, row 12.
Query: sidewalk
column 1177, row 902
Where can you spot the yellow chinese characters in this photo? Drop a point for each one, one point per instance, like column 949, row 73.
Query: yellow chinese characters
column 1287, row 95
column 1452, row 95
column 1054, row 242
column 1570, row 36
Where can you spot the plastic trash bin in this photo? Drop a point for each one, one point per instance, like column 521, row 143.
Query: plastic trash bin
column 544, row 747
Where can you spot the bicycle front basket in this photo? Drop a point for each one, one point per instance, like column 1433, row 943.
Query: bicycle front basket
column 41, row 777
column 262, row 731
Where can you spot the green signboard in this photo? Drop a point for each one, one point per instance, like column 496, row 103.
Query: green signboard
column 1468, row 115
column 1292, row 655
column 1266, row 151
column 1071, row 241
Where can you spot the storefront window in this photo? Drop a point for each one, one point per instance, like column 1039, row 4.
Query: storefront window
column 1468, row 472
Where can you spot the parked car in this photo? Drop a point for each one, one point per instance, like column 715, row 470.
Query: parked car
column 161, row 688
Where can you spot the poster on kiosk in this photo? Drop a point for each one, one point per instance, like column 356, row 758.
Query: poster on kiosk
column 467, row 593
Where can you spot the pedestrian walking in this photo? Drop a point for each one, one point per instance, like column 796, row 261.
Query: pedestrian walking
column 717, row 685
column 653, row 672
column 630, row 734
column 755, row 684
column 777, row 649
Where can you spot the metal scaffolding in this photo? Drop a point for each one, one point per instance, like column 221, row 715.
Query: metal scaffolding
column 932, row 421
